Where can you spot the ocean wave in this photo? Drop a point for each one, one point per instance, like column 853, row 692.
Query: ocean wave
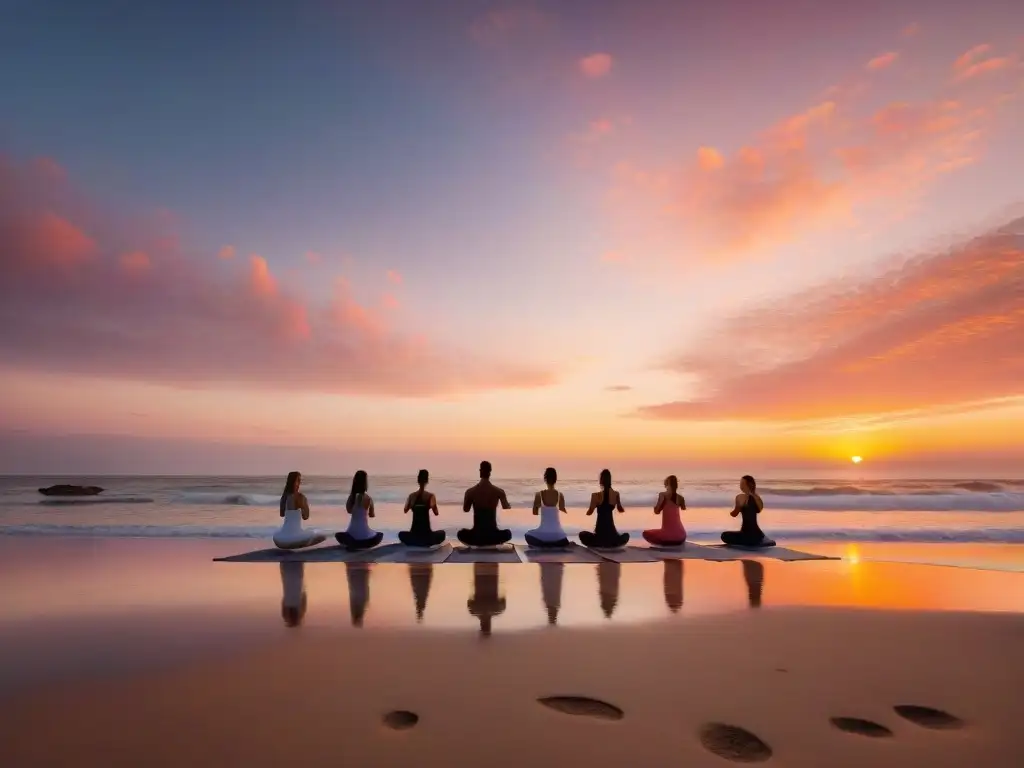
column 824, row 499
column 700, row 535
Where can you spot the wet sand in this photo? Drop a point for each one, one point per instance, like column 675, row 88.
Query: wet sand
column 143, row 653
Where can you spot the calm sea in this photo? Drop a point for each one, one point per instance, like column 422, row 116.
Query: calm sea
column 890, row 510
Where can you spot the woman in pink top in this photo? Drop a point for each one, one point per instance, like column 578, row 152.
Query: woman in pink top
column 671, row 533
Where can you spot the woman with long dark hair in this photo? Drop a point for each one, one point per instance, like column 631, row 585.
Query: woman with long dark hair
column 548, row 503
column 670, row 502
column 748, row 506
column 294, row 508
column 422, row 504
column 359, row 535
column 604, row 502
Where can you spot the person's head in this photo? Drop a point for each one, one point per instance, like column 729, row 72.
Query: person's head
column 291, row 485
column 672, row 485
column 359, row 485
column 747, row 484
column 423, row 478
column 485, row 470
column 550, row 476
column 606, row 479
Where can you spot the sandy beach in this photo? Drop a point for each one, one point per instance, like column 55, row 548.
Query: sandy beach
column 147, row 653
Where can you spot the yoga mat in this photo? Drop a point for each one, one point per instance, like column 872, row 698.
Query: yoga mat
column 773, row 553
column 466, row 555
column 573, row 554
column 416, row 555
column 627, row 555
column 691, row 551
column 319, row 554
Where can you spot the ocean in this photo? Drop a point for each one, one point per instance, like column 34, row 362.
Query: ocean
column 246, row 507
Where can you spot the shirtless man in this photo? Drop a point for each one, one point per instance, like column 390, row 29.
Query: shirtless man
column 483, row 498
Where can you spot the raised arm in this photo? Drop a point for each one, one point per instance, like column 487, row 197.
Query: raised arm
column 433, row 504
column 536, row 503
column 303, row 504
column 368, row 501
column 660, row 503
column 408, row 502
column 467, row 500
column 740, row 500
column 593, row 504
column 561, row 501
column 504, row 499
column 618, row 502
column 682, row 503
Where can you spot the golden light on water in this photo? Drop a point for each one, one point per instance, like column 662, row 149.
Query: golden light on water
column 856, row 459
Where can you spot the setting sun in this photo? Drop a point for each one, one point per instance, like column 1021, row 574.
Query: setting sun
column 856, row 459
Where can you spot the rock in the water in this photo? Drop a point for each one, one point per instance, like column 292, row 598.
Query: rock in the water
column 71, row 490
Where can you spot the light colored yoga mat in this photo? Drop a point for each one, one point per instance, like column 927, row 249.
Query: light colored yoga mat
column 691, row 551
column 406, row 554
column 573, row 554
column 467, row 555
column 773, row 553
column 627, row 555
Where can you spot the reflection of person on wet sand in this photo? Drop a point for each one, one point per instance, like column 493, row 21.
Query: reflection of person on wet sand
column 485, row 602
column 608, row 573
column 420, row 575
column 753, row 574
column 673, row 583
column 293, row 600
column 551, row 588
column 358, row 576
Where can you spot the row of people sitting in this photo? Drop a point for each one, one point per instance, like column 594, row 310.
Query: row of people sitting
column 483, row 500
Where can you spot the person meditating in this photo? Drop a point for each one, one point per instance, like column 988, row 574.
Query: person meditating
column 748, row 506
column 294, row 509
column 359, row 535
column 605, row 502
column 672, row 533
column 293, row 599
column 483, row 498
column 548, row 503
column 422, row 504
column 486, row 602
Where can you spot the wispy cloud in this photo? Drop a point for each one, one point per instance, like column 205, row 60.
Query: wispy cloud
column 912, row 30
column 619, row 388
column 394, row 277
column 883, row 61
column 596, row 65
column 978, row 61
column 69, row 303
column 227, row 252
column 942, row 330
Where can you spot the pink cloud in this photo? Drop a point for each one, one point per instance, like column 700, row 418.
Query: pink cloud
column 976, row 61
column 942, row 330
column 389, row 301
column 227, row 252
column 312, row 257
column 596, row 65
column 504, row 25
column 394, row 277
column 912, row 30
column 884, row 61
column 71, row 304
column 709, row 158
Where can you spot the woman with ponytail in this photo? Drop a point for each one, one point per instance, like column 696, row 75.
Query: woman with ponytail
column 294, row 509
column 422, row 504
column 359, row 535
column 669, row 504
column 605, row 502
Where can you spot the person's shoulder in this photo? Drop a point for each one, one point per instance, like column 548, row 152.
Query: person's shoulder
column 741, row 497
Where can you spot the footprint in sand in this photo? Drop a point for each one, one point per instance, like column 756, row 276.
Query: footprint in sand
column 583, row 707
column 860, row 727
column 926, row 717
column 400, row 719
column 734, row 743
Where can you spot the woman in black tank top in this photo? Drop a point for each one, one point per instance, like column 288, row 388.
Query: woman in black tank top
column 422, row 504
column 605, row 534
column 748, row 507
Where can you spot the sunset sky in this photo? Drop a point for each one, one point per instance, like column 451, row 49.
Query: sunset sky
column 768, row 236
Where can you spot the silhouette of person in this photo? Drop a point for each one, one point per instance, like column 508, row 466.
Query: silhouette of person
column 485, row 603
column 753, row 574
column 483, row 499
column 673, row 583
column 293, row 597
column 608, row 573
column 420, row 575
column 551, row 589
column 358, row 576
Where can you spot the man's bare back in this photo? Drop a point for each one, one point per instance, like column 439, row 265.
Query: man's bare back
column 485, row 496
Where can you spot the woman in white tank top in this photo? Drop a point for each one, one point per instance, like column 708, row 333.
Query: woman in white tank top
column 294, row 509
column 548, row 503
column 359, row 534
